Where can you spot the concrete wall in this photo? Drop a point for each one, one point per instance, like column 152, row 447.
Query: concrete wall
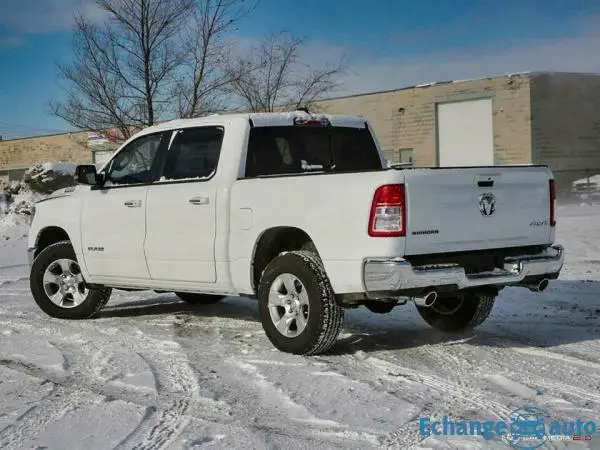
column 407, row 118
column 19, row 154
column 566, row 124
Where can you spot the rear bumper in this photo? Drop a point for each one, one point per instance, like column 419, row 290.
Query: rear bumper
column 397, row 274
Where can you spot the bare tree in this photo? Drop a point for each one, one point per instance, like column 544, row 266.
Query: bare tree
column 122, row 73
column 273, row 75
column 203, row 79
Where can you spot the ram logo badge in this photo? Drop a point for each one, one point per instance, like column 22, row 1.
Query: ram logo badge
column 487, row 204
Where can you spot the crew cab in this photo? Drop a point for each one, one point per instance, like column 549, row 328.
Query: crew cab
column 300, row 212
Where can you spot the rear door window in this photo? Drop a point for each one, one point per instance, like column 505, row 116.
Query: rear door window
column 296, row 149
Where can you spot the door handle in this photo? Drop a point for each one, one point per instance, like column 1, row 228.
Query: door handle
column 133, row 203
column 199, row 201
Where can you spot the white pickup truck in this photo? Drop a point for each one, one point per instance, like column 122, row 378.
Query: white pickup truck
column 300, row 212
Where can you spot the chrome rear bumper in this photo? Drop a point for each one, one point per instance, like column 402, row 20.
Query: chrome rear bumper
column 397, row 274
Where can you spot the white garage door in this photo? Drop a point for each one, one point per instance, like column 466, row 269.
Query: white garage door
column 465, row 133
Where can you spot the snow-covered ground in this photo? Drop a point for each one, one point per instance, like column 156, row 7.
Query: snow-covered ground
column 153, row 373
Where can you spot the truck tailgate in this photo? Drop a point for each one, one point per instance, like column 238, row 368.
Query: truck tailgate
column 463, row 209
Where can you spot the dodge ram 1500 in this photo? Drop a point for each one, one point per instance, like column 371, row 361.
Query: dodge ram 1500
column 299, row 211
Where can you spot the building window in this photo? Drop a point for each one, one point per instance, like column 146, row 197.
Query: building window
column 12, row 174
column 406, row 156
column 402, row 156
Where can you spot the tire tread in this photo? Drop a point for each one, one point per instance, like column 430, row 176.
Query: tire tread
column 484, row 308
column 94, row 305
column 332, row 317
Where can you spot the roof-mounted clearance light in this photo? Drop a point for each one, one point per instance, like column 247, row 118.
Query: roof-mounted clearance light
column 313, row 122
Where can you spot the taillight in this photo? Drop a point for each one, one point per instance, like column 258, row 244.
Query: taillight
column 388, row 211
column 552, row 203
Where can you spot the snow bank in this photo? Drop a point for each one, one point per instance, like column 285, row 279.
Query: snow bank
column 17, row 199
column 13, row 227
column 14, row 224
column 50, row 176
column 584, row 181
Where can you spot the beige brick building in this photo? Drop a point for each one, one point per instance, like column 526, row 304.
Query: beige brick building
column 541, row 118
column 17, row 155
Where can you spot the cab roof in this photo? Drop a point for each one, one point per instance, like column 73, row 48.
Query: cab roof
column 257, row 120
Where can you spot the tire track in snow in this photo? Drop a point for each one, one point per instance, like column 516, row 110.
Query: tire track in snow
column 164, row 424
column 179, row 395
column 540, row 383
column 50, row 409
column 443, row 393
column 561, row 357
column 9, row 281
column 167, row 412
column 504, row 358
column 296, row 412
column 456, row 394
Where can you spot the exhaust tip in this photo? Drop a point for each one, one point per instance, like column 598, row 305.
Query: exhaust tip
column 430, row 298
column 540, row 287
column 426, row 300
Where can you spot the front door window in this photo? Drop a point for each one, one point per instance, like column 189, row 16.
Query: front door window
column 134, row 164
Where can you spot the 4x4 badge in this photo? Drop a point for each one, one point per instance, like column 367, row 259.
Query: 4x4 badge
column 487, row 204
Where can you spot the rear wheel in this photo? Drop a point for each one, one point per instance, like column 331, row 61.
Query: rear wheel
column 297, row 306
column 460, row 313
column 199, row 299
column 58, row 286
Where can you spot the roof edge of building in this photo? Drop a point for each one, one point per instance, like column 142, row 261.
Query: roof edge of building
column 40, row 136
column 436, row 83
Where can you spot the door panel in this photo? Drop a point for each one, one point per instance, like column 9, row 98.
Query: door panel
column 113, row 221
column 113, row 226
column 181, row 209
column 181, row 231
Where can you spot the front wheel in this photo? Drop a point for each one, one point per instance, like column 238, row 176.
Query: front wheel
column 297, row 306
column 459, row 313
column 58, row 286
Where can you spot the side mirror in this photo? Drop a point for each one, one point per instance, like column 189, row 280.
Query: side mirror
column 87, row 174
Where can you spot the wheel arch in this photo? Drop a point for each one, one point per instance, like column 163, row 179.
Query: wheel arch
column 273, row 241
column 48, row 236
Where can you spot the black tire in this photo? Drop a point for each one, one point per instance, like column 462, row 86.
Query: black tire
column 457, row 314
column 90, row 307
column 325, row 316
column 199, row 299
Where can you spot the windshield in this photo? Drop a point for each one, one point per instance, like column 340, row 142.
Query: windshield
column 296, row 149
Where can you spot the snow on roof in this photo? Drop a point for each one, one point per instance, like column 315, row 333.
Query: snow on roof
column 592, row 179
